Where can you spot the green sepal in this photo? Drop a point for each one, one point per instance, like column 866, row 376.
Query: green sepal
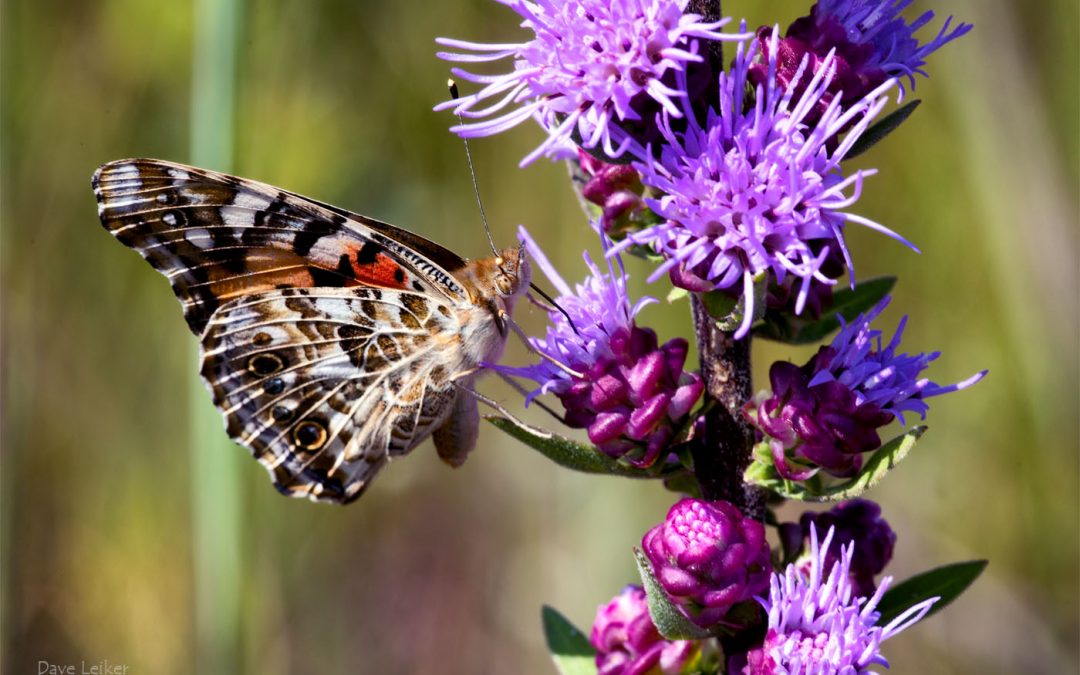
column 676, row 294
column 762, row 472
column 565, row 452
column 729, row 312
column 849, row 303
column 668, row 618
column 881, row 129
column 570, row 649
column 946, row 582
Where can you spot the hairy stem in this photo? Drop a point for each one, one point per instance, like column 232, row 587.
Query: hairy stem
column 722, row 453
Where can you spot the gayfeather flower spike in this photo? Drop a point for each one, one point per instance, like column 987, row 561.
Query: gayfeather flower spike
column 632, row 393
column 754, row 190
column 872, row 43
column 588, row 65
column 826, row 413
column 817, row 625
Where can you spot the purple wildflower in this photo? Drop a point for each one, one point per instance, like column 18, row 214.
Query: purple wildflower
column 869, row 38
column 756, row 190
column 708, row 557
column 818, row 626
column 628, row 643
column 857, row 522
column 826, row 413
column 632, row 393
column 585, row 70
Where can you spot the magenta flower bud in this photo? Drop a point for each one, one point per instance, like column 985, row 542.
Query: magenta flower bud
column 616, row 188
column 708, row 558
column 857, row 522
column 628, row 643
column 632, row 393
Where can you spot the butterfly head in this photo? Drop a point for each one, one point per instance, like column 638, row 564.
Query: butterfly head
column 511, row 274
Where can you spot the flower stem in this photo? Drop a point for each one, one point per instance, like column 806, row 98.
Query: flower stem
column 722, row 453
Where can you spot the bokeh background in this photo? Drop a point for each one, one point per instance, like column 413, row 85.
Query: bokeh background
column 133, row 532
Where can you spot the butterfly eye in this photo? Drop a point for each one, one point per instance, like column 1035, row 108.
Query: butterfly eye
column 309, row 435
column 505, row 283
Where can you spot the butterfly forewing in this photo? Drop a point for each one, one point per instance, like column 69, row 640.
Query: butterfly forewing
column 217, row 237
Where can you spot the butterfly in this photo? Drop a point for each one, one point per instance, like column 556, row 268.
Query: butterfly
column 330, row 342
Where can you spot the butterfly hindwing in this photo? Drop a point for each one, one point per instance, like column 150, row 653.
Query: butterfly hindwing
column 324, row 386
column 218, row 237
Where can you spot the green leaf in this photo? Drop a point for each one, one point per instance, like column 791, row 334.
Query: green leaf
column 880, row 130
column 847, row 302
column 683, row 483
column 669, row 620
column 564, row 451
column 946, row 582
column 570, row 649
column 762, row 472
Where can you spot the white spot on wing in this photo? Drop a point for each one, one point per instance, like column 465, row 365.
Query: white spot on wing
column 198, row 237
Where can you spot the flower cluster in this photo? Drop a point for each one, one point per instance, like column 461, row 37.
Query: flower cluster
column 627, row 642
column 825, row 414
column 817, row 624
column 708, row 557
column 590, row 65
column 756, row 190
column 733, row 181
column 616, row 380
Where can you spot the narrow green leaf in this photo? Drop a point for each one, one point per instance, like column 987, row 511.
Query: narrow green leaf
column 683, row 483
column 762, row 472
column 946, row 582
column 570, row 649
column 564, row 451
column 669, row 620
column 880, row 130
column 847, row 302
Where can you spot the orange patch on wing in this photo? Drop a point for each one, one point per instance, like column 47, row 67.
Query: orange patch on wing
column 267, row 269
column 382, row 272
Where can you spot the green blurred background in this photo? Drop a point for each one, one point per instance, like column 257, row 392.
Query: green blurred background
column 105, row 511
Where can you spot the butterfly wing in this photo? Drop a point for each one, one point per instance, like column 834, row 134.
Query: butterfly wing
column 218, row 237
column 324, row 386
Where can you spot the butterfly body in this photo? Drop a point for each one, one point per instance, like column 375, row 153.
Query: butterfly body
column 330, row 342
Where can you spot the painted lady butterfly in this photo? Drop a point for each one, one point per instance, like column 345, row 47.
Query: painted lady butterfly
column 331, row 342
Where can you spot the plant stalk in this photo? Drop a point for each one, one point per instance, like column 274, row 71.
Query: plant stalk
column 723, row 451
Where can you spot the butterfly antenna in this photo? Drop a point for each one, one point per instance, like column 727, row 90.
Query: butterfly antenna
column 472, row 173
